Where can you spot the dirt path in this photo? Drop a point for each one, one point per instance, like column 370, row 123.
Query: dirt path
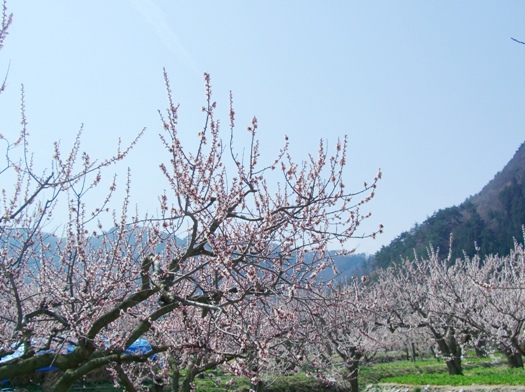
column 438, row 388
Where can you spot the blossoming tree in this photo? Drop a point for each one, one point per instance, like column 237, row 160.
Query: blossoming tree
column 428, row 294
column 494, row 311
column 231, row 236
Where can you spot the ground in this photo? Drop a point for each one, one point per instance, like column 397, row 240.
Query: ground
column 439, row 388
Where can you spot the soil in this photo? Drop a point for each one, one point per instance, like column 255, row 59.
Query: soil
column 443, row 388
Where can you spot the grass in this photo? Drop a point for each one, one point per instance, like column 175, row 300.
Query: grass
column 477, row 371
column 295, row 382
column 469, row 378
column 207, row 383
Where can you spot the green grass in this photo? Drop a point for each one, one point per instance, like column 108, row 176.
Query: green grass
column 295, row 382
column 378, row 372
column 476, row 371
column 206, row 383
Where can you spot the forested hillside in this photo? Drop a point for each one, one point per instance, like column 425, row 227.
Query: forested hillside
column 486, row 223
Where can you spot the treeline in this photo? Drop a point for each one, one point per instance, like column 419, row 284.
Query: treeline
column 475, row 228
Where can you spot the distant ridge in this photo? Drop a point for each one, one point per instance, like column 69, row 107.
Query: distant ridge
column 485, row 223
column 487, row 201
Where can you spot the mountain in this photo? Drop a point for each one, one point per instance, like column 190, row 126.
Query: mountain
column 486, row 223
column 347, row 266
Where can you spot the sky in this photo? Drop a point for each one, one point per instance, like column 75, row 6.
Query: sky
column 432, row 93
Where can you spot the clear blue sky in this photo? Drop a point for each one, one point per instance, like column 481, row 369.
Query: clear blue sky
column 432, row 92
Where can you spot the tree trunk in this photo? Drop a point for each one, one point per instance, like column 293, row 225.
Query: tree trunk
column 259, row 387
column 454, row 366
column 158, row 384
column 450, row 350
column 514, row 359
column 188, row 382
column 435, row 354
column 352, row 366
column 413, row 352
column 352, row 376
column 186, row 385
column 63, row 384
column 49, row 381
column 175, row 373
column 479, row 347
column 175, row 381
column 124, row 379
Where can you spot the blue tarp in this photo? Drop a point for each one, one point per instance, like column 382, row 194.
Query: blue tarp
column 139, row 346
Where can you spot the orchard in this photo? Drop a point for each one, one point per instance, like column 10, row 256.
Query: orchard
column 226, row 274
column 206, row 281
